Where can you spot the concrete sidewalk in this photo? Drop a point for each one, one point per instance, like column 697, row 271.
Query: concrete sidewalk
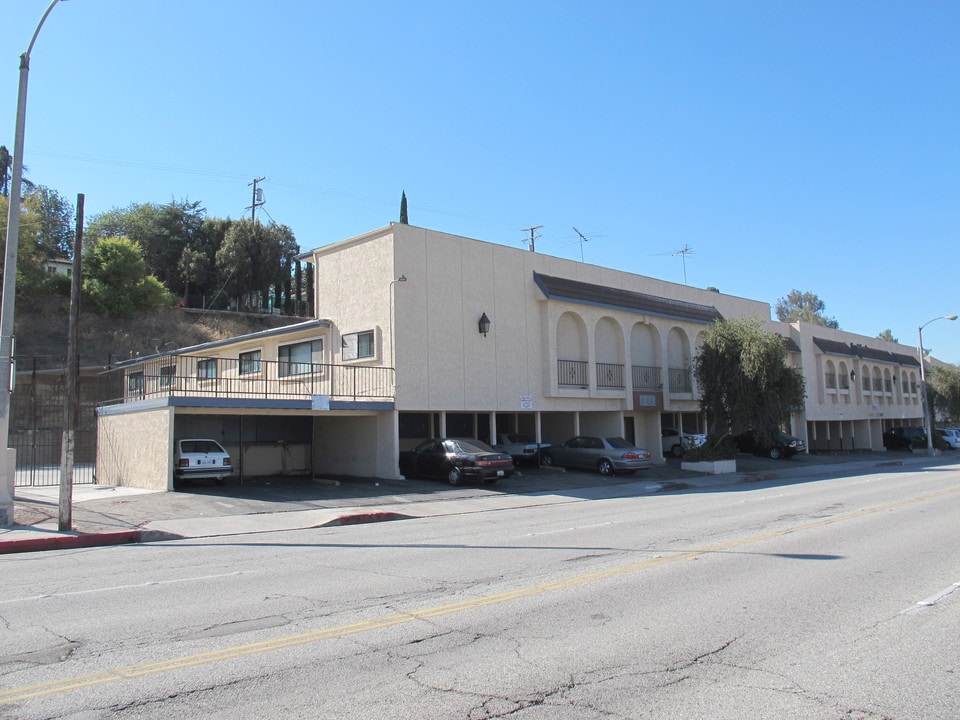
column 107, row 515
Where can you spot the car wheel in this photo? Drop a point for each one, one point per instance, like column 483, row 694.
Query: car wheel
column 546, row 460
column 605, row 467
column 775, row 453
column 676, row 450
column 453, row 476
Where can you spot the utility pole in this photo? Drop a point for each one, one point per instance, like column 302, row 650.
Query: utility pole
column 257, row 198
column 532, row 236
column 71, row 404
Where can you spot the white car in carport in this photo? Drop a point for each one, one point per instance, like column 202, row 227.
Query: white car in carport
column 674, row 442
column 201, row 458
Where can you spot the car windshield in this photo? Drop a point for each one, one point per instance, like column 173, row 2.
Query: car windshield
column 618, row 442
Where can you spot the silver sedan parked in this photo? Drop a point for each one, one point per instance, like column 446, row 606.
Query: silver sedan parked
column 608, row 456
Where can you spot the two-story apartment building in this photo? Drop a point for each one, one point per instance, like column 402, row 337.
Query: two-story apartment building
column 421, row 333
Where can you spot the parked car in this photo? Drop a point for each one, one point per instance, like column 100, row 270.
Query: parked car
column 951, row 436
column 455, row 460
column 607, row 456
column 197, row 458
column 521, row 447
column 785, row 447
column 905, row 437
column 674, row 442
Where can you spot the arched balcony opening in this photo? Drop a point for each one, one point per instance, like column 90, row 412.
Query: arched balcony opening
column 572, row 352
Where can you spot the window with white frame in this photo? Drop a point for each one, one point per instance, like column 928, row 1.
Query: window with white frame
column 166, row 376
column 250, row 362
column 207, row 369
column 299, row 358
column 359, row 346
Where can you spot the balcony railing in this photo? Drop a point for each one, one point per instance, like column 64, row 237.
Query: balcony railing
column 646, row 378
column 681, row 380
column 573, row 373
column 610, row 376
column 231, row 378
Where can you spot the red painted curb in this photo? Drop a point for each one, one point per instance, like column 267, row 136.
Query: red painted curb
column 68, row 542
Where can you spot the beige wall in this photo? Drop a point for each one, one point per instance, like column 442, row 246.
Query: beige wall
column 136, row 449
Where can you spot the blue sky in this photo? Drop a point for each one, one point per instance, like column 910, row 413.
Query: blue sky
column 808, row 144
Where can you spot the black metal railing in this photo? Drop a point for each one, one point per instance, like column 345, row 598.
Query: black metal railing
column 573, row 372
column 610, row 376
column 646, row 377
column 187, row 376
column 681, row 380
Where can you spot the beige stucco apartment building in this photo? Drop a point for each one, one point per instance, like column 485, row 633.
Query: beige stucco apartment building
column 398, row 353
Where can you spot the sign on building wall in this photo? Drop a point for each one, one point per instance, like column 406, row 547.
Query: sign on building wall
column 647, row 400
column 526, row 402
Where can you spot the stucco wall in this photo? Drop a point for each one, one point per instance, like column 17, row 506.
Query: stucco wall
column 135, row 449
column 364, row 446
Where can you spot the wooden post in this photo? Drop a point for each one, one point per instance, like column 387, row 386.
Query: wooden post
column 71, row 403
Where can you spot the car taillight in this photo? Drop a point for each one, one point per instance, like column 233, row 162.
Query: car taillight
column 183, row 462
column 226, row 462
column 630, row 456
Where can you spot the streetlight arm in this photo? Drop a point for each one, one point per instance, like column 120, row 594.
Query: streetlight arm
column 25, row 58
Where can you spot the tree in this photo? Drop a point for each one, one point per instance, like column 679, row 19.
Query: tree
column 6, row 169
column 805, row 306
column 46, row 232
column 745, row 381
column 254, row 259
column 403, row 208
column 6, row 165
column 944, row 386
column 888, row 336
column 116, row 282
column 162, row 231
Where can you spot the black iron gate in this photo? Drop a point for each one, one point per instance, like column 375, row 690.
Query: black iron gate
column 37, row 423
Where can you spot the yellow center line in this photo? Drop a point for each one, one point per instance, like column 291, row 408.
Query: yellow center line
column 135, row 671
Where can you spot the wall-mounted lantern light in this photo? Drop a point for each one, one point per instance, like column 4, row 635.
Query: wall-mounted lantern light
column 853, row 375
column 484, row 324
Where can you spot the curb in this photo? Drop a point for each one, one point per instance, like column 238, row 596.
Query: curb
column 368, row 517
column 69, row 542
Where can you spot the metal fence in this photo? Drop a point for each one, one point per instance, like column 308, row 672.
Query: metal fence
column 213, row 377
column 37, row 423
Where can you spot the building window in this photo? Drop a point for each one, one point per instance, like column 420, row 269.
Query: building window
column 359, row 346
column 207, row 369
column 166, row 376
column 250, row 362
column 135, row 384
column 299, row 359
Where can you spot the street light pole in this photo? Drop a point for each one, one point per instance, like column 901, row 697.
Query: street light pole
column 927, row 410
column 8, row 456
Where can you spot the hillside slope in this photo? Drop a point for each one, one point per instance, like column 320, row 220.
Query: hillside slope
column 42, row 328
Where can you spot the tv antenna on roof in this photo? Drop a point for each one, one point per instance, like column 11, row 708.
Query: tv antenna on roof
column 532, row 236
column 683, row 252
column 583, row 239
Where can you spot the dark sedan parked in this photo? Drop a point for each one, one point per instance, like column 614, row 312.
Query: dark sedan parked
column 786, row 446
column 608, row 456
column 455, row 460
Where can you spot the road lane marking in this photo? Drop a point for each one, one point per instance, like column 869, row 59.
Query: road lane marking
column 134, row 671
column 149, row 583
column 932, row 600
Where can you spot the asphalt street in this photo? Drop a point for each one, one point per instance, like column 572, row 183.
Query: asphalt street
column 109, row 515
